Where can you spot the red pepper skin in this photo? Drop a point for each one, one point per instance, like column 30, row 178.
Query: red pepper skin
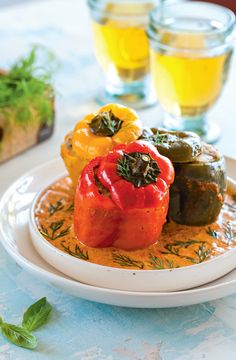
column 93, row 210
column 130, row 217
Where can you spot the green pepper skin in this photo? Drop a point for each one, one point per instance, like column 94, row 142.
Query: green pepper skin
column 197, row 194
column 178, row 146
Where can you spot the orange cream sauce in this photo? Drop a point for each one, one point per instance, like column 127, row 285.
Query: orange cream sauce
column 178, row 246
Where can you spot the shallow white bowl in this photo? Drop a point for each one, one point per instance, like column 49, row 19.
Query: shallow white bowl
column 132, row 280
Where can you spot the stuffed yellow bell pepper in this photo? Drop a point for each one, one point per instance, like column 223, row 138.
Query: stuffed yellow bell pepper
column 97, row 134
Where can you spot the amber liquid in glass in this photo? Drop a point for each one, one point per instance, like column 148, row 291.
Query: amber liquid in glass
column 187, row 83
column 121, row 43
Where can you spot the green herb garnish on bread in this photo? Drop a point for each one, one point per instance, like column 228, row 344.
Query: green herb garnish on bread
column 26, row 103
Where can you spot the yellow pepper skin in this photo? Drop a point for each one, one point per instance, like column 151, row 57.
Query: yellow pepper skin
column 82, row 145
column 73, row 163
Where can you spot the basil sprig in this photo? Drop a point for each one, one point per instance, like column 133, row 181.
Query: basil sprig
column 34, row 317
column 19, row 336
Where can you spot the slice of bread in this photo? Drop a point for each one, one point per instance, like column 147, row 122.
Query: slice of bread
column 16, row 138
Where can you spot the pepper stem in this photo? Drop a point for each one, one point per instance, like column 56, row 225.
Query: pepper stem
column 138, row 168
column 155, row 138
column 105, row 124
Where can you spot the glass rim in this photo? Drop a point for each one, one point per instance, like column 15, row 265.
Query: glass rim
column 93, row 5
column 227, row 28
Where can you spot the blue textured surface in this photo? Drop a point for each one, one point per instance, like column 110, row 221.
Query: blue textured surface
column 84, row 330
column 80, row 329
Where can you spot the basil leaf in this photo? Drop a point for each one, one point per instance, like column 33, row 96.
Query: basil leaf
column 36, row 315
column 18, row 336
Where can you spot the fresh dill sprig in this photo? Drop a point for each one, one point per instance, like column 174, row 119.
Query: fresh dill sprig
column 125, row 260
column 229, row 232
column 26, row 93
column 105, row 124
column 159, row 264
column 138, row 168
column 213, row 233
column 77, row 252
column 55, row 207
column 52, row 233
column 174, row 248
column 71, row 207
column 231, row 207
column 202, row 253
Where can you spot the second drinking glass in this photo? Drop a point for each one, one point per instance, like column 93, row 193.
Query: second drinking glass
column 191, row 45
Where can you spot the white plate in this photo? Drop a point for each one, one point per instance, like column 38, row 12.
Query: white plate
column 14, row 209
column 124, row 279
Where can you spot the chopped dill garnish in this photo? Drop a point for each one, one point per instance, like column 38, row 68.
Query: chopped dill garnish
column 159, row 264
column 202, row 253
column 77, row 252
column 229, row 232
column 71, row 207
column 55, row 207
column 124, row 260
column 213, row 233
column 26, row 92
column 52, row 233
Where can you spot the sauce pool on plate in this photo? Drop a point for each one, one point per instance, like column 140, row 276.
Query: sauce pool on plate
column 178, row 245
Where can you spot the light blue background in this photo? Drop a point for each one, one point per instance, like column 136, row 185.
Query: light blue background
column 83, row 330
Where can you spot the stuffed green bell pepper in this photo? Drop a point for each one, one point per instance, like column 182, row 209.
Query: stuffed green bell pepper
column 178, row 146
column 197, row 194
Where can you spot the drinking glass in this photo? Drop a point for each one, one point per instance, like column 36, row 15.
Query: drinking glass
column 122, row 50
column 191, row 48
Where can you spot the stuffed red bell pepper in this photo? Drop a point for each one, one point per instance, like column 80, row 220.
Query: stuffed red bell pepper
column 122, row 198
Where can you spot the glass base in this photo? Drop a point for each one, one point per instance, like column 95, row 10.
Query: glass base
column 138, row 95
column 207, row 130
